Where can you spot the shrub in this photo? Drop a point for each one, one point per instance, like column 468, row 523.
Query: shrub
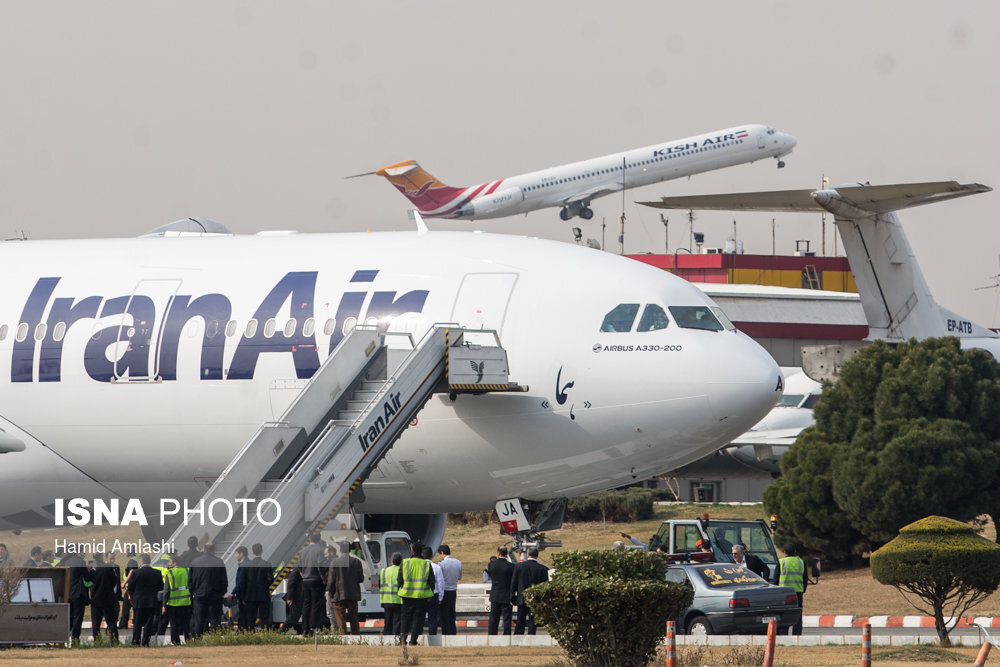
column 623, row 506
column 608, row 607
column 941, row 562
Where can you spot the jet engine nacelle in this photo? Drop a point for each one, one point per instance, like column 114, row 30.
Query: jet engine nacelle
column 492, row 203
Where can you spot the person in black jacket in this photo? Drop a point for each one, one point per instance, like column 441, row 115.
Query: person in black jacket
column 104, row 593
column 312, row 567
column 344, row 579
column 130, row 566
column 257, row 590
column 293, row 602
column 143, row 585
column 185, row 559
column 750, row 562
column 78, row 596
column 500, row 571
column 526, row 575
column 208, row 581
column 239, row 588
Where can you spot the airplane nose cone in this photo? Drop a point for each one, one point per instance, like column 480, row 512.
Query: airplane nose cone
column 790, row 141
column 744, row 383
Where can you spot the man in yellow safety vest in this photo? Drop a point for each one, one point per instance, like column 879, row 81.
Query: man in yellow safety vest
column 416, row 587
column 792, row 573
column 177, row 600
column 388, row 593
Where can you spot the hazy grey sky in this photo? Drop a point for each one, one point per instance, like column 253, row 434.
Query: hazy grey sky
column 121, row 116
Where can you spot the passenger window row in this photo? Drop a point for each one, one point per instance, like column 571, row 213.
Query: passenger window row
column 232, row 328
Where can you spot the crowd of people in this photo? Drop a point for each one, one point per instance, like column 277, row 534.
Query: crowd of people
column 185, row 591
column 188, row 592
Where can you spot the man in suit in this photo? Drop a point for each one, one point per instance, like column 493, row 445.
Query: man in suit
column 78, row 596
column 130, row 566
column 750, row 562
column 526, row 575
column 208, row 582
column 104, row 591
column 293, row 602
column 256, row 602
column 185, row 559
column 312, row 568
column 143, row 585
column 344, row 585
column 239, row 589
column 500, row 571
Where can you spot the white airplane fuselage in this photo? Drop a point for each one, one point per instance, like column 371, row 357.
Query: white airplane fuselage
column 573, row 186
column 138, row 367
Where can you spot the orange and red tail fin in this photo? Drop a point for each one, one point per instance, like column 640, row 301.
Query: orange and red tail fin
column 427, row 193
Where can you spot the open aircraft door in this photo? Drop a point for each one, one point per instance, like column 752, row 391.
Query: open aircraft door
column 481, row 303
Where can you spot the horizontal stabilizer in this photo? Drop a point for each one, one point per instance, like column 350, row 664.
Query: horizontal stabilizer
column 846, row 201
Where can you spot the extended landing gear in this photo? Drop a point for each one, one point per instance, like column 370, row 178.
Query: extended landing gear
column 573, row 210
column 524, row 520
column 781, row 164
column 526, row 540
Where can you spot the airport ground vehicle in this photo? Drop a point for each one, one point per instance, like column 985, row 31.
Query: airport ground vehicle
column 375, row 551
column 729, row 599
column 682, row 535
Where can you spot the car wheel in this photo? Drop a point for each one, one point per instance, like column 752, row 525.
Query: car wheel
column 699, row 626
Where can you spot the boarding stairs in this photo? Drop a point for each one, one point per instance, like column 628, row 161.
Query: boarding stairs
column 334, row 433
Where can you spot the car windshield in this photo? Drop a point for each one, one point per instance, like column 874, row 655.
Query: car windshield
column 725, row 534
column 722, row 575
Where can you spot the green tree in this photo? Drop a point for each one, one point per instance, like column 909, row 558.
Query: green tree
column 943, row 564
column 909, row 468
column 907, row 430
column 608, row 607
column 803, row 500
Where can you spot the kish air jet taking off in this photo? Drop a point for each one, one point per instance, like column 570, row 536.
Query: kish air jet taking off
column 572, row 187
column 137, row 368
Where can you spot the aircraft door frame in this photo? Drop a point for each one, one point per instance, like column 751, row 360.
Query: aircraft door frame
column 162, row 292
column 482, row 300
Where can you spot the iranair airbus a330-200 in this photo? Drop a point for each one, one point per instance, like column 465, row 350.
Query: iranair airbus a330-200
column 571, row 187
column 138, row 368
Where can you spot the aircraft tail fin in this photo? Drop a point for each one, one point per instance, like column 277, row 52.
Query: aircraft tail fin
column 896, row 300
column 428, row 194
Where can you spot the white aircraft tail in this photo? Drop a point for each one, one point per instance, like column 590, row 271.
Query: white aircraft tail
column 897, row 302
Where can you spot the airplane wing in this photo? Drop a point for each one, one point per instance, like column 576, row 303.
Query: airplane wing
column 779, row 200
column 593, row 193
column 777, row 436
column 853, row 200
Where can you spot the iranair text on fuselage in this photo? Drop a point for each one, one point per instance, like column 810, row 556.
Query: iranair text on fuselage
column 145, row 339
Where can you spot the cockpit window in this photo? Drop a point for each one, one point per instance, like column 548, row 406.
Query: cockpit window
column 790, row 400
column 653, row 318
column 695, row 317
column 726, row 323
column 621, row 318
